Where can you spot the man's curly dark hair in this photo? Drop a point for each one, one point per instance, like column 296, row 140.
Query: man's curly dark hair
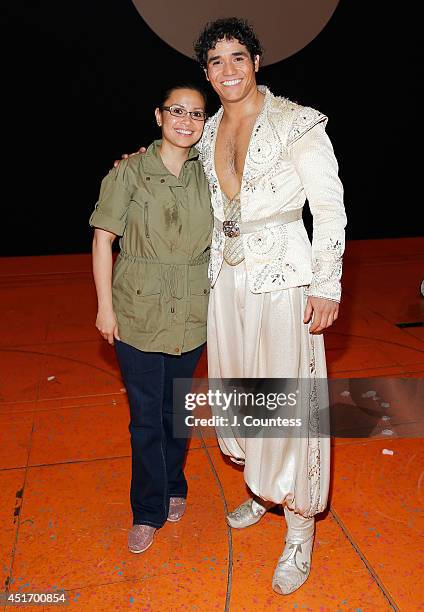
column 226, row 29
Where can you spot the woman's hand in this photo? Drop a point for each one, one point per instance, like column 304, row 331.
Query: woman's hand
column 322, row 312
column 107, row 325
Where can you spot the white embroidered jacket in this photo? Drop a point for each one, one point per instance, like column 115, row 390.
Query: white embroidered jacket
column 290, row 159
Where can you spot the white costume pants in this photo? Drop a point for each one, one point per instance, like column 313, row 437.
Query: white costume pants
column 263, row 336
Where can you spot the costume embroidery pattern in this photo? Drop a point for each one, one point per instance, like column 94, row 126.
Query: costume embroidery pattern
column 279, row 124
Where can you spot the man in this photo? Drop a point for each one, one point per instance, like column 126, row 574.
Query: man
column 272, row 294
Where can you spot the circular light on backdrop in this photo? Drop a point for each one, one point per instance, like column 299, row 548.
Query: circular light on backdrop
column 283, row 26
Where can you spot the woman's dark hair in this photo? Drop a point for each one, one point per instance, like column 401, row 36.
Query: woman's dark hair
column 169, row 90
column 228, row 29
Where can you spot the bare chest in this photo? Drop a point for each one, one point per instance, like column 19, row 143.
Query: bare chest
column 231, row 148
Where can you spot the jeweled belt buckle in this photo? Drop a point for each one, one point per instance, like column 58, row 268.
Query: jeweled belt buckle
column 231, row 229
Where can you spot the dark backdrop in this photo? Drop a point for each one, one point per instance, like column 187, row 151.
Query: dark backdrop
column 81, row 79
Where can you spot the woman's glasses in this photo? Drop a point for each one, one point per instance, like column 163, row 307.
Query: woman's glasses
column 178, row 111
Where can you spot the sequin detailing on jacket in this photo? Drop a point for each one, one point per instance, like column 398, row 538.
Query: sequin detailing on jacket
column 290, row 160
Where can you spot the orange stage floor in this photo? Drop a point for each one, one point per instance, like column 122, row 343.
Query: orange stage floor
column 65, row 464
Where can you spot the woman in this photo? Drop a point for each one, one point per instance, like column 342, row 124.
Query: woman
column 154, row 307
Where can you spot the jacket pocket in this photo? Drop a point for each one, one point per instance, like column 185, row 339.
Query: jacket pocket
column 146, row 220
column 144, row 280
column 199, row 298
column 143, row 284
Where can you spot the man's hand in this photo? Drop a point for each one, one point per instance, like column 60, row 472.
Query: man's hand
column 126, row 156
column 107, row 325
column 322, row 312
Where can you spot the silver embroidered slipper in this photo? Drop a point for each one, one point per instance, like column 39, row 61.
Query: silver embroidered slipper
column 294, row 565
column 177, row 507
column 248, row 513
column 140, row 538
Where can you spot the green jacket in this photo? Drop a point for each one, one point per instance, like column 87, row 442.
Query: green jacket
column 160, row 285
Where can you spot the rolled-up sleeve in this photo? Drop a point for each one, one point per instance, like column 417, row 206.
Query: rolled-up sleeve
column 317, row 167
column 110, row 212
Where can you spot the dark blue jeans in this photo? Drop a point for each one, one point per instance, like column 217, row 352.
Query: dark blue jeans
column 157, row 456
